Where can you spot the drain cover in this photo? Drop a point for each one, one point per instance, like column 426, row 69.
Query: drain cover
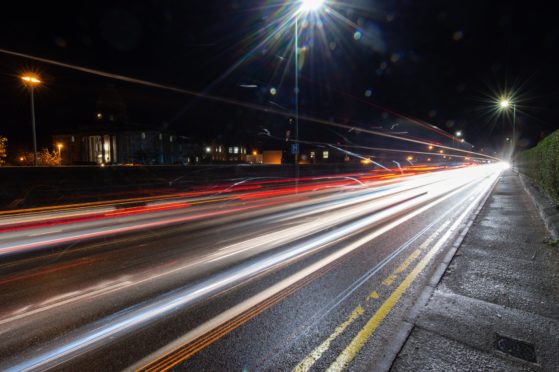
column 516, row 348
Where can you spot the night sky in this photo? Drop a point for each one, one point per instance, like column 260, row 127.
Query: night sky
column 364, row 64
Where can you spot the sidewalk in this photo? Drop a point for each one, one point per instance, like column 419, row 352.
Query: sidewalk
column 496, row 307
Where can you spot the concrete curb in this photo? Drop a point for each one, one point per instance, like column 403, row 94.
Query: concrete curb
column 548, row 209
column 392, row 350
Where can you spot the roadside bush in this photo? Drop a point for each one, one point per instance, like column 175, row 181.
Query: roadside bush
column 541, row 163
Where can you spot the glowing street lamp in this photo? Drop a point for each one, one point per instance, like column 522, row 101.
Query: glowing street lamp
column 505, row 104
column 305, row 7
column 459, row 133
column 311, row 5
column 31, row 81
column 60, row 146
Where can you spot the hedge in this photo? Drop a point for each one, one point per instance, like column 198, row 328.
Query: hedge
column 541, row 164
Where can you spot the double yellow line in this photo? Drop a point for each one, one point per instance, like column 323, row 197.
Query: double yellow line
column 178, row 355
column 353, row 348
column 349, row 353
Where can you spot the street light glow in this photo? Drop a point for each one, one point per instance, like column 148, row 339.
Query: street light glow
column 459, row 133
column 31, row 79
column 504, row 103
column 311, row 5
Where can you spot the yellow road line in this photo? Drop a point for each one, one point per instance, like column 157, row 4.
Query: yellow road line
column 185, row 351
column 366, row 332
column 351, row 351
column 308, row 362
column 373, row 296
column 404, row 265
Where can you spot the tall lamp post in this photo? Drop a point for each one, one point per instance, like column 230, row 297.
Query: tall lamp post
column 31, row 81
column 504, row 104
column 305, row 6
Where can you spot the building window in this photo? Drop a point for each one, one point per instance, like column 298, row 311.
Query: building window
column 73, row 139
column 143, row 135
column 160, row 136
column 313, row 155
column 230, row 150
column 171, row 138
column 236, row 150
column 325, row 155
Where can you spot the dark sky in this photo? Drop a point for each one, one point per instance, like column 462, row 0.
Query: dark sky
column 442, row 62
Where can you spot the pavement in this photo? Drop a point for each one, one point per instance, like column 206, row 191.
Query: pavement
column 496, row 307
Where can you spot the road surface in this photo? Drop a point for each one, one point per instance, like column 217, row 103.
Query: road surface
column 260, row 275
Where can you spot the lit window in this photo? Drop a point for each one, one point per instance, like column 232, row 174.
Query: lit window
column 313, row 155
column 160, row 136
column 143, row 135
column 73, row 139
column 325, row 155
column 171, row 138
column 230, row 150
column 236, row 150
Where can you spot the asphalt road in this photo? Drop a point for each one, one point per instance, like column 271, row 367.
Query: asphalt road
column 264, row 276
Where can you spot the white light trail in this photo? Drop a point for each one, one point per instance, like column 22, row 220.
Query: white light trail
column 92, row 336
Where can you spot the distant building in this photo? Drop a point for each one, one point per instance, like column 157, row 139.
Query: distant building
column 109, row 138
column 119, row 145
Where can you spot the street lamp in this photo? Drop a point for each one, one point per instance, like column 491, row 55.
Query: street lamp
column 305, row 7
column 31, row 81
column 310, row 5
column 60, row 146
column 459, row 133
column 505, row 104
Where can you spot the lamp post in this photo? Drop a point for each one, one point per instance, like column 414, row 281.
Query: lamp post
column 32, row 80
column 60, row 146
column 306, row 6
column 504, row 104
